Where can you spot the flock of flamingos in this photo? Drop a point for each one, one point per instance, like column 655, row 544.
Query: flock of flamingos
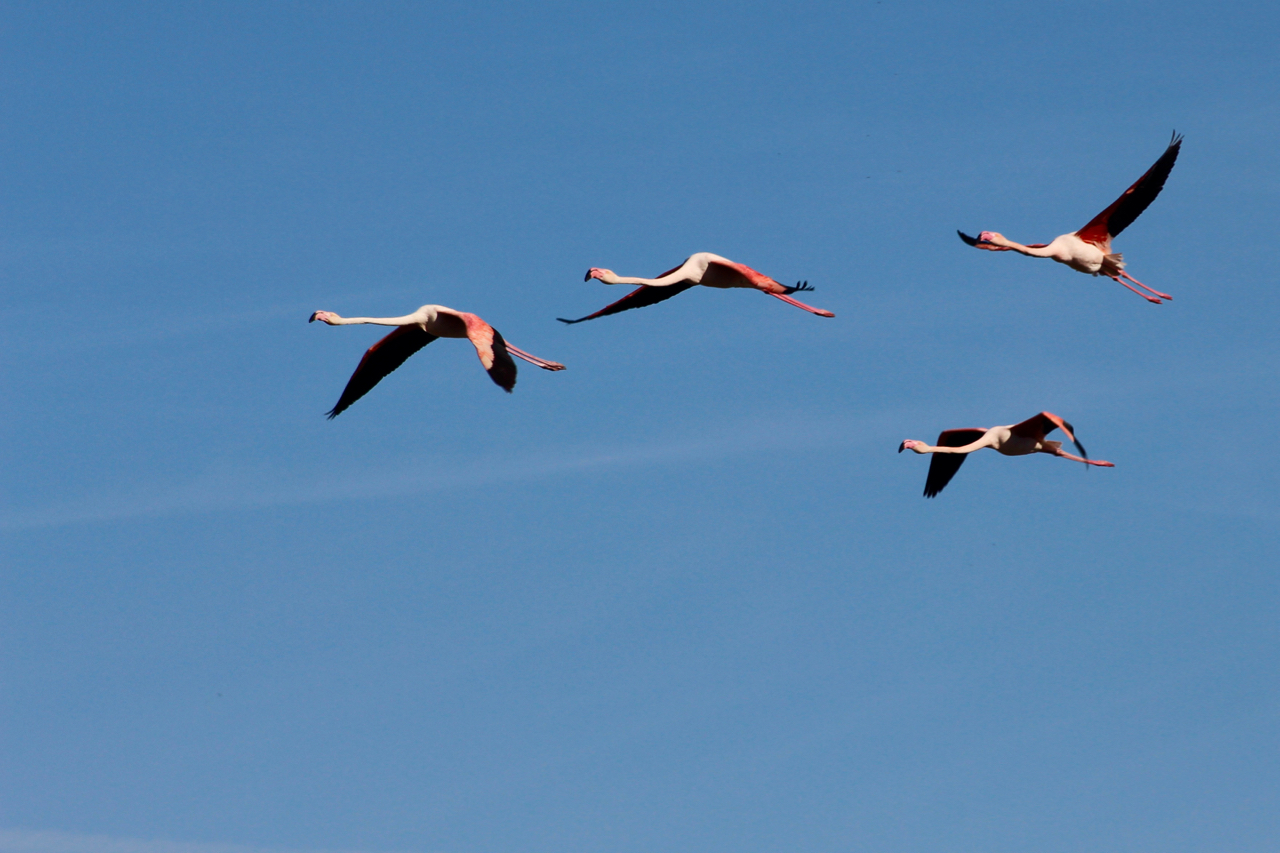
column 1087, row 250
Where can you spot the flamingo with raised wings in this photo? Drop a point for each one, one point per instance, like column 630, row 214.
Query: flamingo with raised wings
column 1089, row 249
column 702, row 268
column 415, row 331
column 1015, row 440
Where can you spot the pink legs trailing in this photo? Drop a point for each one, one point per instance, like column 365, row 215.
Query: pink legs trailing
column 1143, row 286
column 1100, row 463
column 533, row 359
column 821, row 312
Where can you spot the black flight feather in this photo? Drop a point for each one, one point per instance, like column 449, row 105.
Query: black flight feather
column 379, row 360
column 641, row 297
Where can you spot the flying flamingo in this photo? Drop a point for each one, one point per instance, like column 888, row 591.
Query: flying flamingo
column 415, row 331
column 1014, row 440
column 702, row 268
column 1089, row 249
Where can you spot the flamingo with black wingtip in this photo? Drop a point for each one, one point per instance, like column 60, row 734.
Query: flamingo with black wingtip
column 702, row 268
column 1020, row 439
column 1089, row 249
column 415, row 331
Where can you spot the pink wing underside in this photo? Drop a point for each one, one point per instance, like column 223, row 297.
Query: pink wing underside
column 1098, row 231
column 743, row 270
column 1033, row 427
column 479, row 333
column 492, row 350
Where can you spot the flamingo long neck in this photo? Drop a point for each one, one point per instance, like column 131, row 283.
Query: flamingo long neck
column 406, row 320
column 668, row 279
column 627, row 279
column 694, row 267
column 966, row 448
column 1043, row 252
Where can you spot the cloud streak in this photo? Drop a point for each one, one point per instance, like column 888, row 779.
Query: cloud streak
column 231, row 490
column 28, row 841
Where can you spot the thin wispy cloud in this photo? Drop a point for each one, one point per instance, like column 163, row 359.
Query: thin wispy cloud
column 29, row 841
column 231, row 490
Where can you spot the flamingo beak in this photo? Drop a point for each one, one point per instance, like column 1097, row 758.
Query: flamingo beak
column 587, row 277
column 902, row 447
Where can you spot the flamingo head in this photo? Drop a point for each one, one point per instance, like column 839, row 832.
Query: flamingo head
column 989, row 237
column 911, row 444
column 323, row 317
column 596, row 272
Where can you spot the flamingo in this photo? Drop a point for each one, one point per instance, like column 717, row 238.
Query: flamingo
column 415, row 331
column 702, row 268
column 1089, row 249
column 1014, row 440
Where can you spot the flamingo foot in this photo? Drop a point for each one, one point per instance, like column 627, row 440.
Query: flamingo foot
column 821, row 312
column 1144, row 287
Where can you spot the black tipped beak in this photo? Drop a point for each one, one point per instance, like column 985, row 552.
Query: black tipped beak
column 313, row 317
column 587, row 277
column 902, row 447
column 972, row 241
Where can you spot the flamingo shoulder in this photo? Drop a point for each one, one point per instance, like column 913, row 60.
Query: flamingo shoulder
column 696, row 265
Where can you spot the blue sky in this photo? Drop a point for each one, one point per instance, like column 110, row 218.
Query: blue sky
column 683, row 595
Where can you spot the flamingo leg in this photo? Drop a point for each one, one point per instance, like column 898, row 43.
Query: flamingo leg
column 821, row 312
column 1135, row 290
column 1144, row 287
column 1099, row 462
column 533, row 359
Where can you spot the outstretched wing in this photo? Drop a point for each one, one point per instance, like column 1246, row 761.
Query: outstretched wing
column 1044, row 423
column 1132, row 201
column 944, row 466
column 638, row 298
column 491, row 348
column 379, row 360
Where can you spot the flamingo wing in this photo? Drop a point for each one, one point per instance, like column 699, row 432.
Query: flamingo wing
column 944, row 466
column 641, row 297
column 379, row 360
column 755, row 277
column 1044, row 423
column 1110, row 222
column 491, row 348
